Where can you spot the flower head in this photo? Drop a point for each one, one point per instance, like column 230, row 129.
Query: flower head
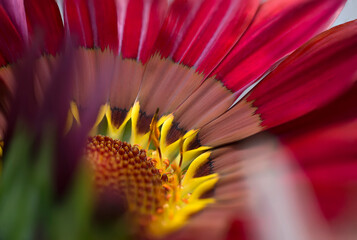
column 151, row 114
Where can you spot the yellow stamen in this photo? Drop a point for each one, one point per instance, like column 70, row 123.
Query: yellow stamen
column 175, row 164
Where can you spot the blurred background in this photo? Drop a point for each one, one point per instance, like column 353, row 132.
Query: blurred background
column 348, row 13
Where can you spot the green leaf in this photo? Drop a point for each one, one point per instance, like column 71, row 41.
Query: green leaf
column 72, row 219
column 24, row 184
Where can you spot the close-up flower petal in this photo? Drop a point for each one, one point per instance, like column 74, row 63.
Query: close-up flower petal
column 177, row 119
column 11, row 45
column 285, row 94
column 279, row 28
column 43, row 17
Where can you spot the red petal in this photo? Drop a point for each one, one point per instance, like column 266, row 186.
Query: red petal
column 200, row 33
column 11, row 44
column 280, row 27
column 335, row 187
column 326, row 135
column 143, row 20
column 105, row 29
column 93, row 22
column 16, row 12
column 44, row 17
column 311, row 77
column 77, row 21
column 333, row 145
column 324, row 144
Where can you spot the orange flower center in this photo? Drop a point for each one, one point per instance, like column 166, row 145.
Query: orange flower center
column 126, row 172
column 152, row 181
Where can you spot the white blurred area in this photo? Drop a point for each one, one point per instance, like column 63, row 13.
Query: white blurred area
column 284, row 208
column 282, row 202
column 349, row 13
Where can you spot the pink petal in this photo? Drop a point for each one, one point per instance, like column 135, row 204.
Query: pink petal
column 212, row 223
column 210, row 100
column 312, row 76
column 77, row 21
column 16, row 12
column 11, row 44
column 44, row 18
column 235, row 124
column 200, row 33
column 170, row 84
column 129, row 73
column 279, row 27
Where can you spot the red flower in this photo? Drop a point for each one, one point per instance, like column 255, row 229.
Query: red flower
column 188, row 84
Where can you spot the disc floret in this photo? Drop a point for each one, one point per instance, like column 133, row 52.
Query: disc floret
column 156, row 179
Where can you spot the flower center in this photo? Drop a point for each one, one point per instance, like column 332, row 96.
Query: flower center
column 155, row 179
column 128, row 173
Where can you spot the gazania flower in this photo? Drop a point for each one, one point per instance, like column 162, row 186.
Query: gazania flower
column 158, row 99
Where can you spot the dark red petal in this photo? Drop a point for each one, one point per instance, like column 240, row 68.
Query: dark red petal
column 104, row 23
column 279, row 27
column 16, row 12
column 23, row 105
column 324, row 135
column 312, row 76
column 44, row 18
column 4, row 100
column 332, row 145
column 2, row 60
column 77, row 21
column 2, row 125
column 56, row 106
column 11, row 44
column 328, row 146
column 238, row 230
column 324, row 144
column 200, row 33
